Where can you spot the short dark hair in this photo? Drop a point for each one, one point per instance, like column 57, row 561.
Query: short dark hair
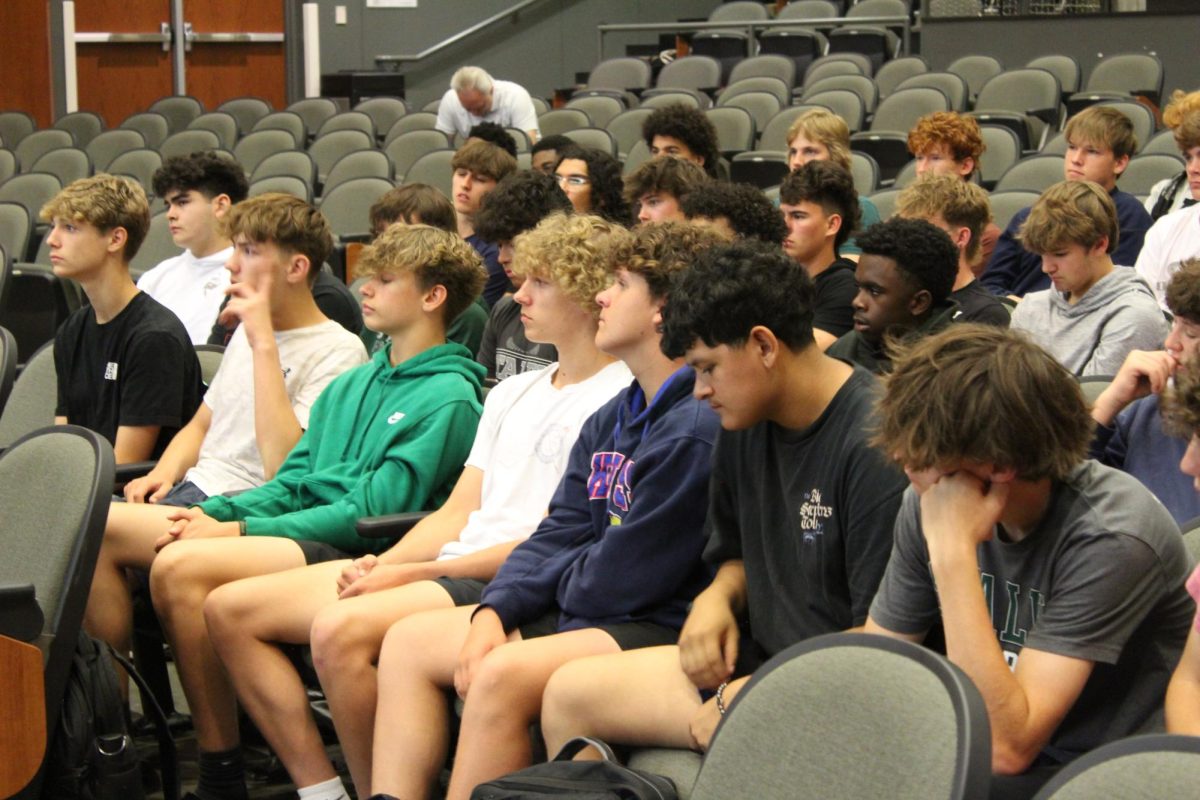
column 205, row 172
column 1183, row 291
column 688, row 125
column 748, row 210
column 484, row 158
column 608, row 187
column 414, row 203
column 924, row 253
column 518, row 204
column 494, row 134
column 553, row 142
column 673, row 176
column 730, row 289
column 830, row 186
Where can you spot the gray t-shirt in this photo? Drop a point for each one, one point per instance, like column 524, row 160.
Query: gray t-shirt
column 1101, row 578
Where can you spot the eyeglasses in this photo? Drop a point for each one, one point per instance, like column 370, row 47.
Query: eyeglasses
column 572, row 180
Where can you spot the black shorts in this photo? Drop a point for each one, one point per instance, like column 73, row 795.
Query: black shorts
column 319, row 552
column 628, row 635
column 463, row 591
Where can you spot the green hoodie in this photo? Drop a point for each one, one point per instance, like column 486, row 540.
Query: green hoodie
column 380, row 440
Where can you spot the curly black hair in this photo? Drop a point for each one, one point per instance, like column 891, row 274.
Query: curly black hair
column 924, row 253
column 604, row 171
column 518, row 204
column 205, row 172
column 688, row 125
column 555, row 142
column 748, row 210
column 731, row 289
column 495, row 134
column 831, row 187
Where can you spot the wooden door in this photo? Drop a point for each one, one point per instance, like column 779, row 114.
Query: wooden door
column 116, row 80
column 25, row 52
column 218, row 71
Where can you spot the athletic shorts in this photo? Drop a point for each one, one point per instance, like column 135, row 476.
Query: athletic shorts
column 463, row 591
column 319, row 552
column 628, row 635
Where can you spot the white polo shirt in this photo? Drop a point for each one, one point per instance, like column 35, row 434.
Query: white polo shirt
column 511, row 107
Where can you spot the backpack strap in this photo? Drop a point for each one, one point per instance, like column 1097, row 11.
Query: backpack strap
column 573, row 747
column 168, row 756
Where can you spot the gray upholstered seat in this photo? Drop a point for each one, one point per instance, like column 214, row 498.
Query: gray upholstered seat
column 1137, row 768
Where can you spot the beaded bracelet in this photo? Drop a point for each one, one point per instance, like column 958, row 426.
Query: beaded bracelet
column 721, row 698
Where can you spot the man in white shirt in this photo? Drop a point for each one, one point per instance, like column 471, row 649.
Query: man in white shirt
column 475, row 97
column 199, row 190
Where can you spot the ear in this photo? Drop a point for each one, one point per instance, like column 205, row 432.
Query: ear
column 117, row 238
column 434, row 298
column 221, row 205
column 833, row 224
column 297, row 269
column 1099, row 248
column 962, row 238
column 764, row 344
column 1120, row 164
column 920, row 302
column 966, row 166
column 1006, row 475
column 657, row 319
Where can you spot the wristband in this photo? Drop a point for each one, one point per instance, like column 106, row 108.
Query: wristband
column 241, row 527
column 721, row 697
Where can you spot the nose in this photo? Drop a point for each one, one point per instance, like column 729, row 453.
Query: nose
column 643, row 214
column 1190, row 463
column 521, row 296
column 701, row 390
column 859, row 303
column 602, row 298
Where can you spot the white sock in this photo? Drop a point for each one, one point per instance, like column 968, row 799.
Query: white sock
column 331, row 789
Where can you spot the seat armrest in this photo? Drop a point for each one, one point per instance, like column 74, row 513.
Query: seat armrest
column 21, row 617
column 389, row 526
column 134, row 469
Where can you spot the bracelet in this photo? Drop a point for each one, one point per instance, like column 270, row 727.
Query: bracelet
column 241, row 527
column 721, row 698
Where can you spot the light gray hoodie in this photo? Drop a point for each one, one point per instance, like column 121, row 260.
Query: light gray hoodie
column 1117, row 315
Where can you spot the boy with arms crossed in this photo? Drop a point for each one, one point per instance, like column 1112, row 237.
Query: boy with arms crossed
column 1082, row 612
column 344, row 608
column 800, row 508
column 612, row 567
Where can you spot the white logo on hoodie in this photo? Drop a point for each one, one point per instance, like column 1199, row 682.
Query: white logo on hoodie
column 394, row 418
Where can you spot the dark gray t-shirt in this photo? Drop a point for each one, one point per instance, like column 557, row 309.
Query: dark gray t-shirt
column 810, row 513
column 1101, row 579
column 505, row 351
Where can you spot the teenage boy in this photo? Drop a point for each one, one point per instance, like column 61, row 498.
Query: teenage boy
column 518, row 204
column 478, row 166
column 199, row 190
column 949, row 143
column 520, row 452
column 961, row 209
column 1082, row 611
column 800, row 515
column 1175, row 235
column 736, row 210
column 904, row 278
column 820, row 210
column 1095, row 313
column 1129, row 431
column 1100, row 142
column 543, row 156
column 680, row 131
column 386, row 437
column 125, row 365
column 611, row 568
column 283, row 354
column 658, row 187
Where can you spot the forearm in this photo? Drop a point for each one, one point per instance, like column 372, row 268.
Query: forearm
column 184, row 450
column 728, row 587
column 1183, row 693
column 971, row 644
column 481, row 565
column 276, row 429
column 425, row 541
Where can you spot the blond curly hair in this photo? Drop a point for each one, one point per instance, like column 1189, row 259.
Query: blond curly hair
column 576, row 251
column 434, row 256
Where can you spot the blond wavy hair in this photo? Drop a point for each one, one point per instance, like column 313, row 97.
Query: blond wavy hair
column 1070, row 212
column 662, row 249
column 285, row 221
column 961, row 203
column 434, row 256
column 1182, row 115
column 825, row 128
column 106, row 202
column 575, row 251
column 1103, row 126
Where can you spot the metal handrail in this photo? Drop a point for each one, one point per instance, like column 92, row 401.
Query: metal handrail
column 463, row 34
column 751, row 26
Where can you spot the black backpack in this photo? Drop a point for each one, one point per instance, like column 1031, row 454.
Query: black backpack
column 91, row 740
column 579, row 780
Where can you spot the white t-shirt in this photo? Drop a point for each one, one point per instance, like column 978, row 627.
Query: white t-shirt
column 512, row 107
column 522, row 445
column 192, row 288
column 1172, row 240
column 310, row 357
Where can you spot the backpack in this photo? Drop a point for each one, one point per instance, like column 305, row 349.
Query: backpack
column 606, row 779
column 91, row 742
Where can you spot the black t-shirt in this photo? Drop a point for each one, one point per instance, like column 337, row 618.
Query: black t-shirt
column 835, row 291
column 505, row 351
column 137, row 369
column 977, row 304
column 810, row 513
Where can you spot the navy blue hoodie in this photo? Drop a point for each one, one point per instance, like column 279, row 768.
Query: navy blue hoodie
column 625, row 532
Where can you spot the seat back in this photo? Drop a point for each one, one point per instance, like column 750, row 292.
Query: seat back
column 1002, row 149
column 31, row 400
column 67, row 164
column 885, row 201
column 178, row 110
column 359, row 164
column 417, row 121
column 1033, row 174
column 737, row 11
column 765, row 66
column 893, row 73
column 561, row 120
column 37, row 144
column 735, row 129
column 209, row 356
column 285, row 184
column 844, row 103
column 865, row 172
column 434, row 169
column 1063, row 67
column 348, row 121
column 224, row 125
column 32, row 190
column 383, row 111
column 861, row 85
column 8, row 344
column 761, row 106
column 405, row 149
column 1135, row 73
column 808, row 9
column 110, row 144
column 348, row 204
column 288, row 121
column 158, row 246
column 186, row 142
column 690, row 72
column 1151, row 766
column 774, row 134
column 600, row 109
column 661, row 98
column 256, row 147
column 8, row 165
column 626, row 128
column 1140, row 116
column 1146, row 170
column 838, row 64
column 976, row 70
column 639, row 153
column 82, row 125
column 1161, row 142
column 882, row 718
column 15, row 228
column 153, row 127
column 763, row 83
column 326, row 150
column 899, row 111
column 1023, row 91
column 594, row 138
column 140, row 164
column 953, row 86
column 246, row 111
column 620, row 73
column 313, row 111
column 1006, row 203
column 15, row 126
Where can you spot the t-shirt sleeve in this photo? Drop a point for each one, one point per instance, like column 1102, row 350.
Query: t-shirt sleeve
column 833, row 312
column 153, row 377
column 906, row 601
column 524, row 116
column 498, row 401
column 345, row 354
column 1104, row 586
column 722, row 527
column 874, row 489
column 445, row 117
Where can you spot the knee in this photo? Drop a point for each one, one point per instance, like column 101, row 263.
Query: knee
column 396, row 651
column 224, row 612
column 500, row 676
column 562, row 700
column 337, row 637
column 174, row 579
